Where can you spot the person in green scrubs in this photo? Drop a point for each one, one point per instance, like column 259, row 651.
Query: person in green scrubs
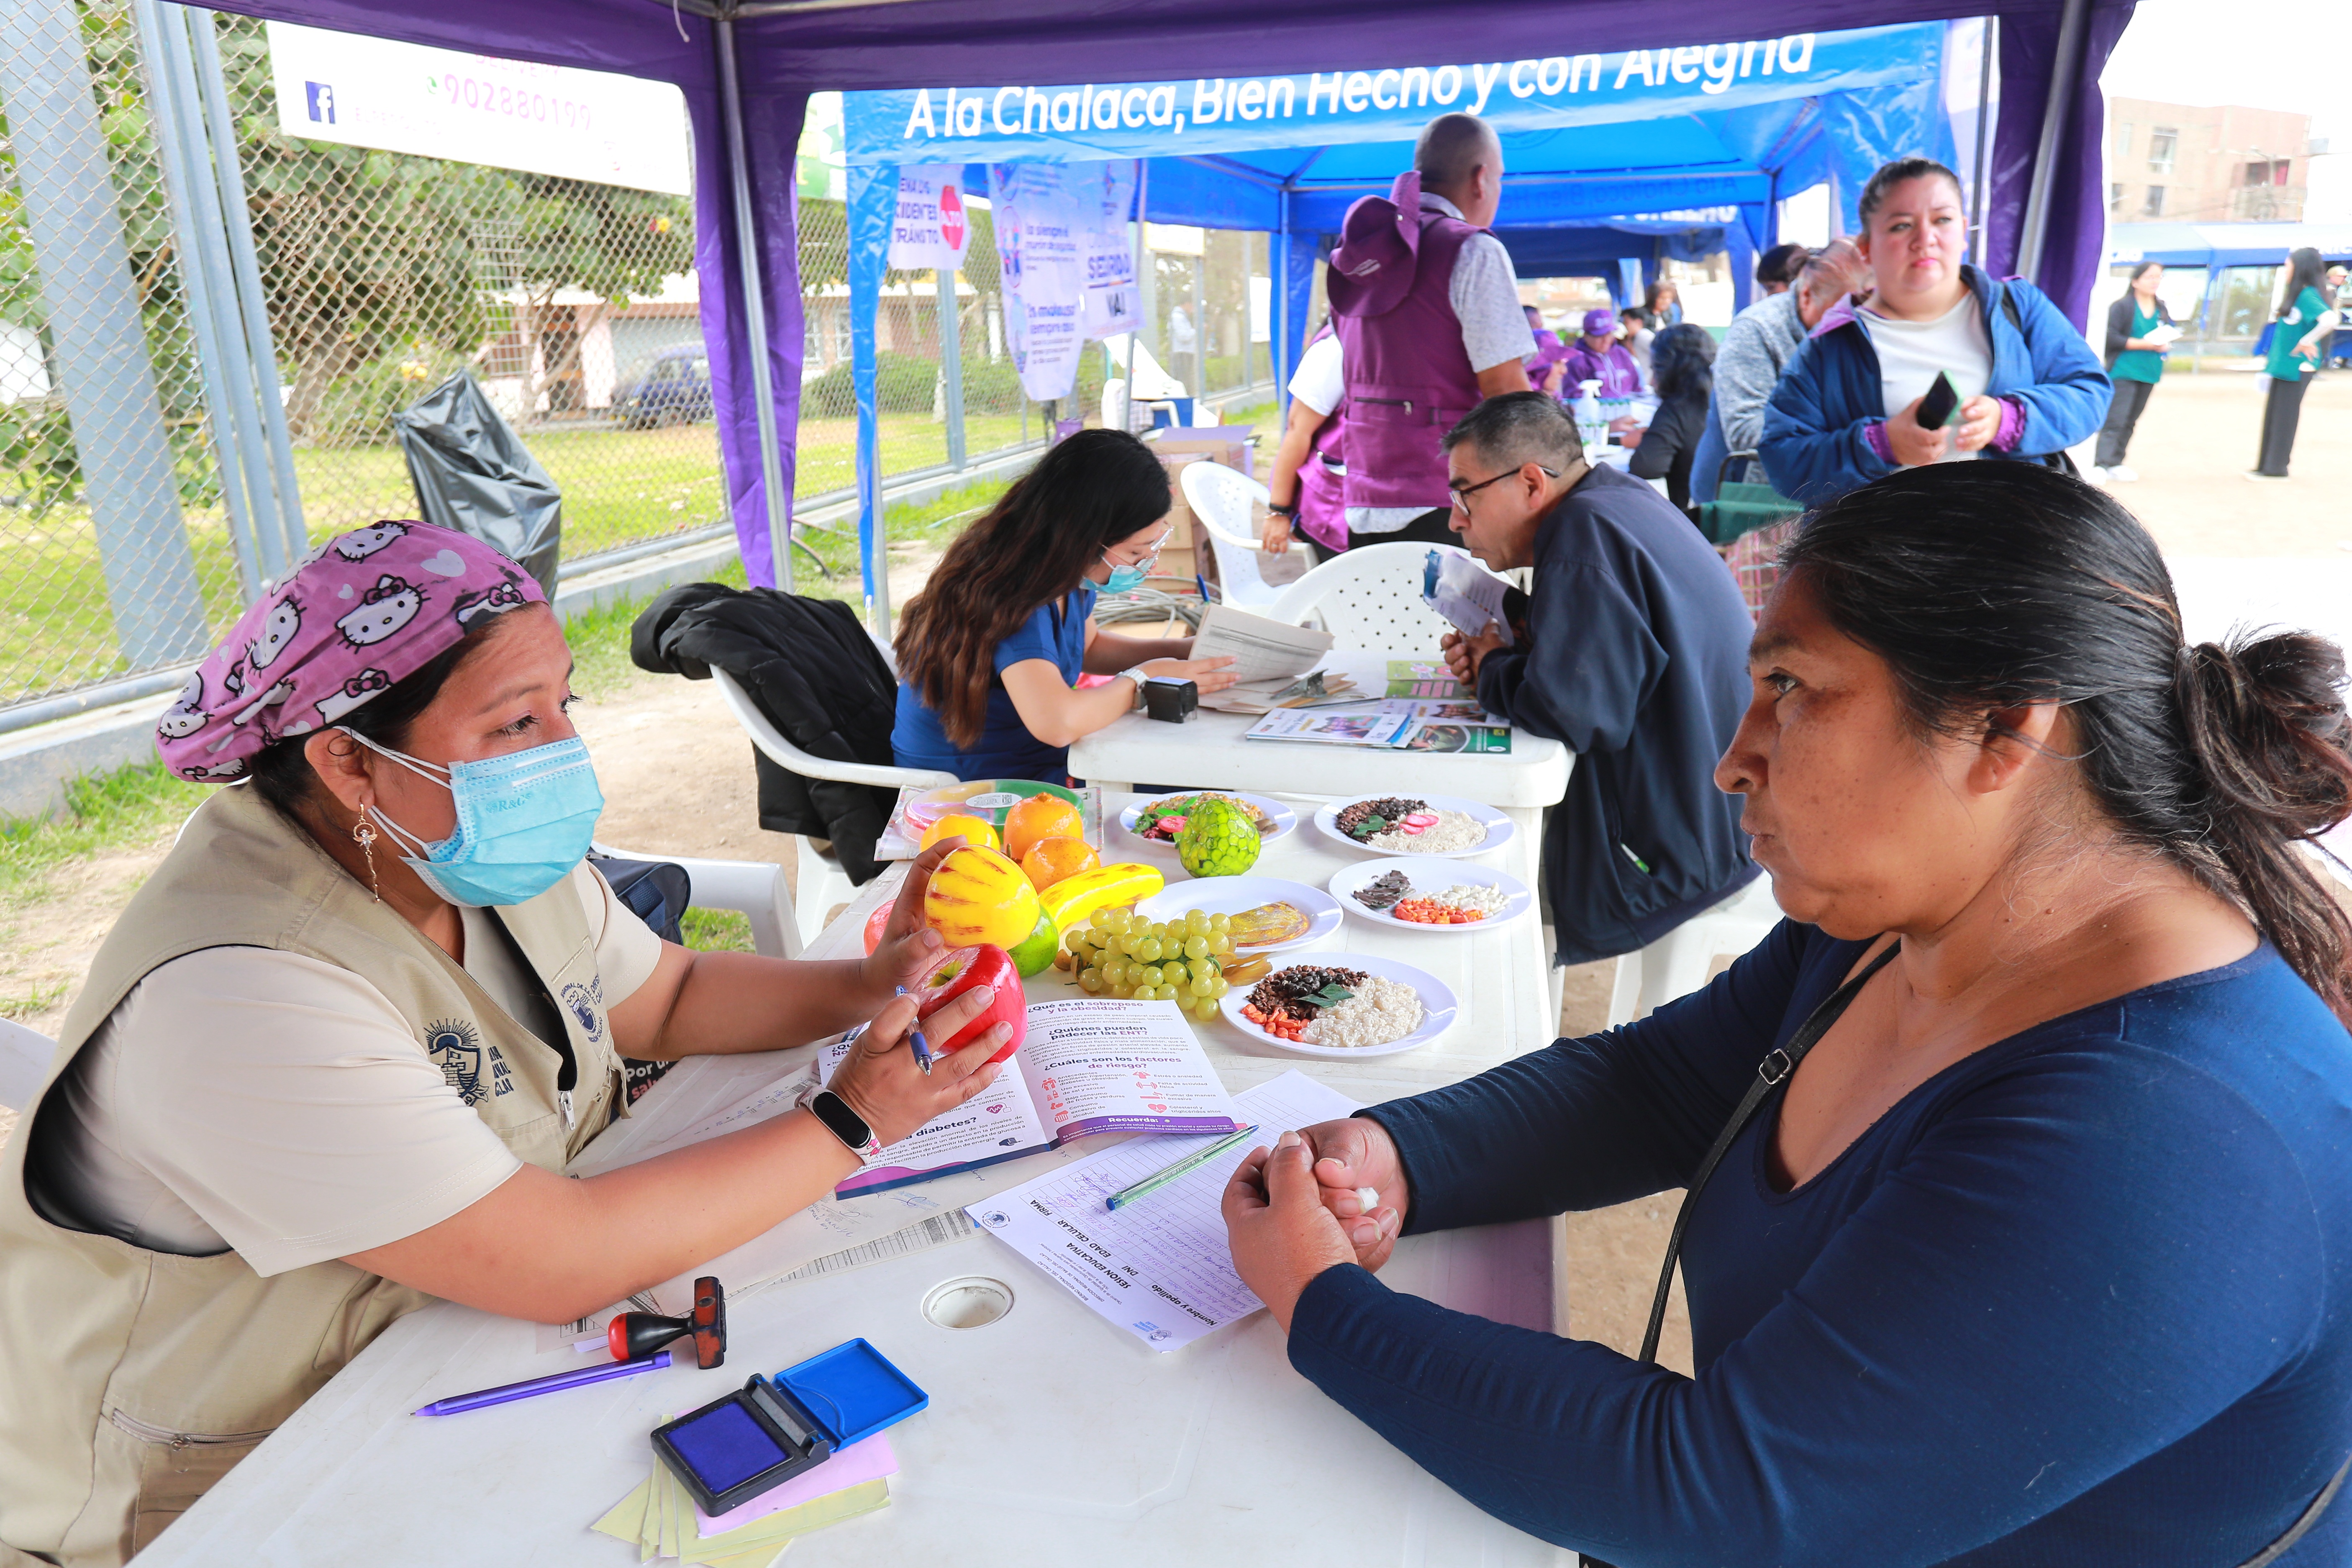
column 2134, row 363
column 2301, row 325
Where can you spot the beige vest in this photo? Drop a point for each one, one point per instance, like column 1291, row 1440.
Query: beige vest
column 130, row 1379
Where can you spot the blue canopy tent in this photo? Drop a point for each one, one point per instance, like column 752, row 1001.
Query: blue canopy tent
column 747, row 68
column 1612, row 161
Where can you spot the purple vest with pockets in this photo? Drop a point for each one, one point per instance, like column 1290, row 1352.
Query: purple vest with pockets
column 1322, row 507
column 1409, row 381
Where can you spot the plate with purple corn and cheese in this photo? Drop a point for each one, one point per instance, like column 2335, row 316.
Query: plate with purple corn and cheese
column 1441, row 825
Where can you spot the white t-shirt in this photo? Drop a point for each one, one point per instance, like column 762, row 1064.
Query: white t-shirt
column 1911, row 352
column 1484, row 294
column 1321, row 379
column 249, row 1098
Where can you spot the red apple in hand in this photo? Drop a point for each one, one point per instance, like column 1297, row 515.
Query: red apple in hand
column 957, row 972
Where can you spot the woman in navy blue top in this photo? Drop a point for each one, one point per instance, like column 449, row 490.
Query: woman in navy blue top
column 2043, row 1254
column 991, row 650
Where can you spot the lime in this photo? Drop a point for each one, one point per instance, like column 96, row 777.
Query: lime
column 1036, row 953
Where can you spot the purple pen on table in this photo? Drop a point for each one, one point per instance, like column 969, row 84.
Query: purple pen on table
column 922, row 1046
column 505, row 1393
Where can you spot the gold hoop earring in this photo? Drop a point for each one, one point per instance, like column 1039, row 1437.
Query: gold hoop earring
column 363, row 834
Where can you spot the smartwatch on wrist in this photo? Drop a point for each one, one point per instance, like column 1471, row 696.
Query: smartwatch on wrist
column 842, row 1123
column 1137, row 674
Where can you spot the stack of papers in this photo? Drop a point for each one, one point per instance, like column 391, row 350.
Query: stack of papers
column 661, row 1520
column 1398, row 724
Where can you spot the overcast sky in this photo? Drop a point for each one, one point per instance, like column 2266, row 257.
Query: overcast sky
column 2191, row 51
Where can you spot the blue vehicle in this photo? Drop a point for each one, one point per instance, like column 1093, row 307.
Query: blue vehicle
column 675, row 389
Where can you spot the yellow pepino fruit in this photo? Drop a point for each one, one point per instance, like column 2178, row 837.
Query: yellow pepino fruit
column 978, row 896
column 1072, row 898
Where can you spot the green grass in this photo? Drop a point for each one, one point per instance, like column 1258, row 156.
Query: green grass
column 103, row 812
column 714, row 930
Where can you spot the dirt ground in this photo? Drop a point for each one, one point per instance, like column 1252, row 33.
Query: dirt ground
column 677, row 773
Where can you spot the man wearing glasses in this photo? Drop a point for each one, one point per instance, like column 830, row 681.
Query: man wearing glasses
column 1631, row 649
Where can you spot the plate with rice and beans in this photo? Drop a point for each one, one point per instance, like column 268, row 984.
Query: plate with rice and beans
column 1341, row 1005
column 1440, row 824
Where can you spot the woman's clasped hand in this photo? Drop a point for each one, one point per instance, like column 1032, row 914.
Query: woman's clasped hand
column 1297, row 1209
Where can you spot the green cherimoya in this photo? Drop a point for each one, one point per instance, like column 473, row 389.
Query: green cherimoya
column 1218, row 839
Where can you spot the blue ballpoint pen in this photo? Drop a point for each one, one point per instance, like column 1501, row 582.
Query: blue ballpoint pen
column 922, row 1046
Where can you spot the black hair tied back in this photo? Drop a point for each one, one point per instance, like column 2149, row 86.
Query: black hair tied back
column 1997, row 584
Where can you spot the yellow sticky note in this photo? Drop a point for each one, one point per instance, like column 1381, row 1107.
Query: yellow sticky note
column 779, row 1529
column 627, row 1516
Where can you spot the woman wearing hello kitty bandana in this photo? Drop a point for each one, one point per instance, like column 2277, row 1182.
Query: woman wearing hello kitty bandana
column 334, row 1057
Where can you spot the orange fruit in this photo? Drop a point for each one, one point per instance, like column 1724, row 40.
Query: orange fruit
column 1051, row 860
column 973, row 829
column 1041, row 817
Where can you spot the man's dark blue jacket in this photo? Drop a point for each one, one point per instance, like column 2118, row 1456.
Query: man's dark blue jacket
column 1636, row 657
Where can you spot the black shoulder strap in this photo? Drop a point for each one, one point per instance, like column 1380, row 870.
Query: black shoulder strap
column 1771, row 1073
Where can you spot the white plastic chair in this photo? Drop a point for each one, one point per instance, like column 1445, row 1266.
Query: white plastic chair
column 822, row 882
column 1676, row 963
column 1221, row 502
column 24, row 1057
column 755, row 888
column 1369, row 598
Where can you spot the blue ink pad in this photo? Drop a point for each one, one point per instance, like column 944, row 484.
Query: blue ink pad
column 763, row 1434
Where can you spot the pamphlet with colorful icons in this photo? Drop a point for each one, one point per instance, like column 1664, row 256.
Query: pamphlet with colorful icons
column 1088, row 1065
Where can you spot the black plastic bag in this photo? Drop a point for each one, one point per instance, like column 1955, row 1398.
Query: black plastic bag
column 472, row 473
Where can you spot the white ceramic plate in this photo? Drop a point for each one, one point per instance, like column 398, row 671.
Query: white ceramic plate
column 1231, row 895
column 1285, row 820
column 1437, row 1004
column 1499, row 827
column 1432, row 874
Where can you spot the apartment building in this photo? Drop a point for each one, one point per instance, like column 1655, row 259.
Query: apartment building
column 2187, row 164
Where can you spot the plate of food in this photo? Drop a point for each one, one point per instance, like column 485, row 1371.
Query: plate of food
column 1342, row 1005
column 1440, row 824
column 1268, row 914
column 1154, row 823
column 1430, row 892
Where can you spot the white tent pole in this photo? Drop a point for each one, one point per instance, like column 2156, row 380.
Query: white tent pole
column 2055, row 110
column 755, row 309
column 1142, row 259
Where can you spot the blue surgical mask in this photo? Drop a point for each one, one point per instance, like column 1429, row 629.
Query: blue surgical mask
column 525, row 821
column 1123, row 579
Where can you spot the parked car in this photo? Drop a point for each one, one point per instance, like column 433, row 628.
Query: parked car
column 675, row 389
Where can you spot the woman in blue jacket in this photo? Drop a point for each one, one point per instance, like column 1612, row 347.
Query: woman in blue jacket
column 1845, row 412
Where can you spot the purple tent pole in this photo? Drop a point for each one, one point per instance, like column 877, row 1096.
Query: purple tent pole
column 774, row 499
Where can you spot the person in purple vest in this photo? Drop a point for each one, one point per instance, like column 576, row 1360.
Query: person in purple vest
column 1600, row 355
column 1427, row 309
column 1543, row 368
column 1310, row 467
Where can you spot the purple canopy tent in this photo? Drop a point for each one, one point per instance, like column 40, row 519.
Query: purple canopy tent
column 747, row 68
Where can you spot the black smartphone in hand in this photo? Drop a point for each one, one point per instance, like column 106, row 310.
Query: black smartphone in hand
column 1936, row 408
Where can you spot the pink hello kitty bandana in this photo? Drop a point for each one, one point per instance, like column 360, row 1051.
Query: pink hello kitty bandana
column 364, row 611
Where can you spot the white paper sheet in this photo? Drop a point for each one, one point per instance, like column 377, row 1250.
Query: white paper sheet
column 1158, row 1268
column 1261, row 649
column 1466, row 594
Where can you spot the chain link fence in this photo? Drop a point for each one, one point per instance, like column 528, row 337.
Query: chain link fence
column 381, row 274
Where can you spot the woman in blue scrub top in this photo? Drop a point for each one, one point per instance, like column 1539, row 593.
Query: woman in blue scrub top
column 990, row 652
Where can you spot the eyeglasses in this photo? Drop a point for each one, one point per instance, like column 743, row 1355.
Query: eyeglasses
column 1462, row 493
column 1150, row 555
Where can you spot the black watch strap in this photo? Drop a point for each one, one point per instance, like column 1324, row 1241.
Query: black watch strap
column 844, row 1124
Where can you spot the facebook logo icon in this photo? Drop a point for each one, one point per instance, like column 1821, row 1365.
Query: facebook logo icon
column 322, row 102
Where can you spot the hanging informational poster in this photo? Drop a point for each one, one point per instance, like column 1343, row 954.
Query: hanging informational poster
column 592, row 125
column 1069, row 275
column 932, row 228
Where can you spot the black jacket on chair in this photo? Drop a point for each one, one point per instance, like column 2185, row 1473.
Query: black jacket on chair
column 812, row 670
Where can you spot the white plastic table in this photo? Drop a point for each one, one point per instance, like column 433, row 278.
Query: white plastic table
column 1207, row 751
column 1051, row 1438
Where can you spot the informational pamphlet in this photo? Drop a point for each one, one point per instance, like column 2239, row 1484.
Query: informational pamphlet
column 1365, row 726
column 1466, row 594
column 1401, row 724
column 1425, row 678
column 1089, row 1065
column 1261, row 649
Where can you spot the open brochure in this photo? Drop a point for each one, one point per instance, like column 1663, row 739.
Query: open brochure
column 1466, row 594
column 1425, row 678
column 1261, row 649
column 1087, row 1066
